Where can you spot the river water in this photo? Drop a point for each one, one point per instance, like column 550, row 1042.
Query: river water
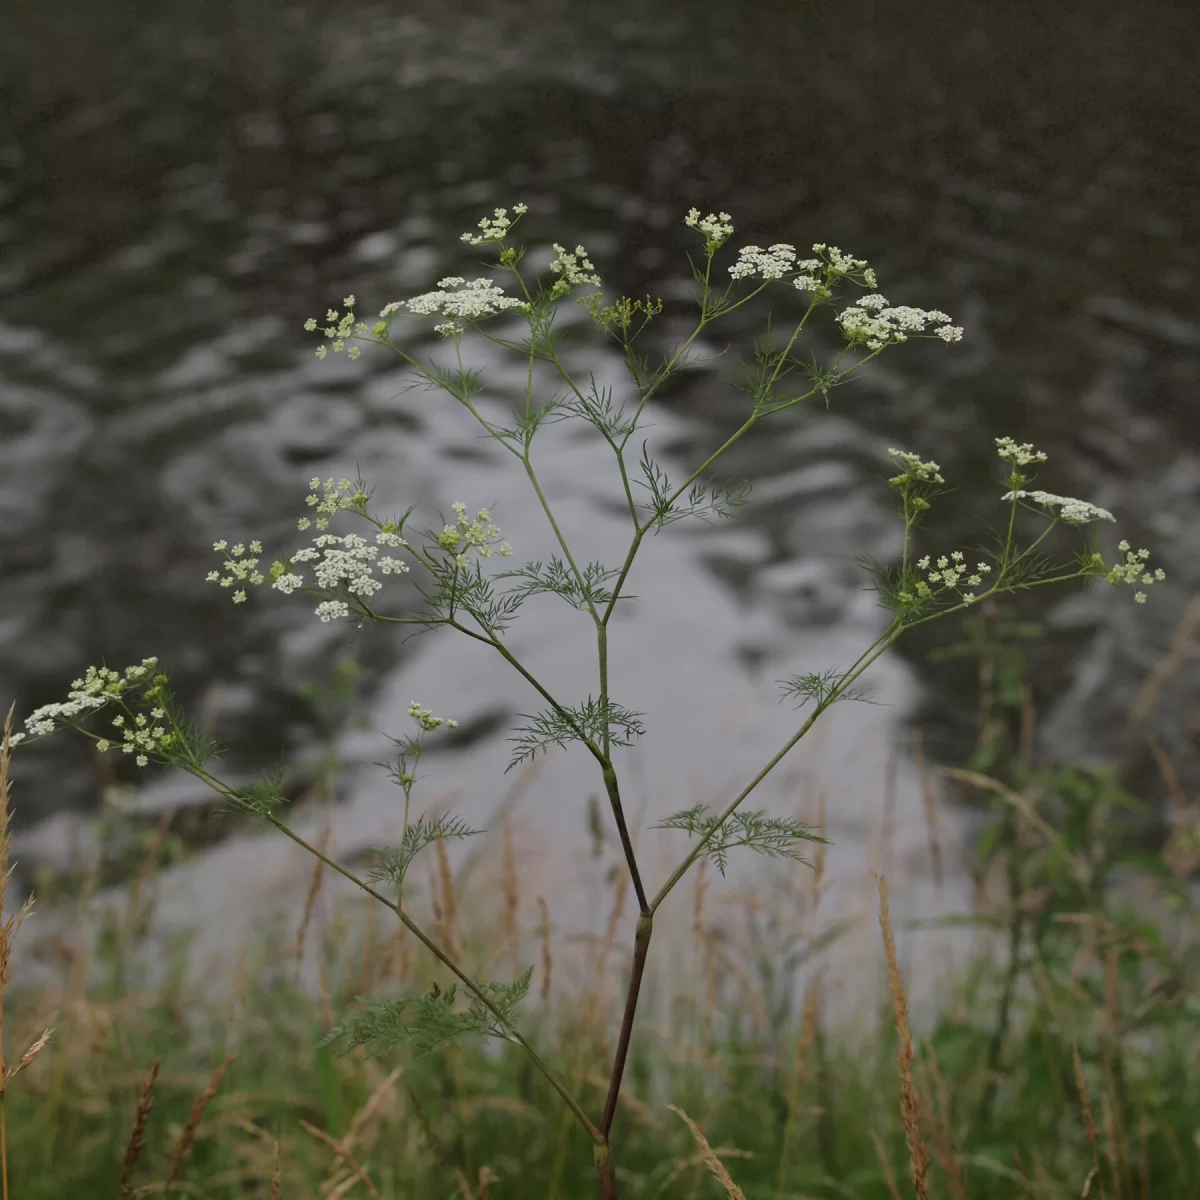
column 178, row 193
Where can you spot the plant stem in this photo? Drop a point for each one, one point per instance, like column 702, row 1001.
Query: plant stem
column 641, row 945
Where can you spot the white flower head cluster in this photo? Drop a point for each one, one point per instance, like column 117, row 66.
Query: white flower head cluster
column 1019, row 455
column 339, row 329
column 1134, row 570
column 948, row 575
column 346, row 559
column 716, row 227
column 872, row 321
column 427, row 721
column 572, row 269
column 1070, row 510
column 466, row 534
column 480, row 298
column 99, row 687
column 242, row 567
column 772, row 263
column 496, row 227
column 914, row 469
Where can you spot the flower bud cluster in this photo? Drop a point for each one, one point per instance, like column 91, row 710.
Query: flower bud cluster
column 837, row 266
column 339, row 330
column 481, row 298
column 427, row 721
column 573, row 270
column 337, row 496
column 872, row 321
column 465, row 534
column 915, row 471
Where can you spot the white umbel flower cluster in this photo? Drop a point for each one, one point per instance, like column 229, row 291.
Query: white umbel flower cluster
column 815, row 275
column 877, row 324
column 1070, row 510
column 572, row 270
column 949, row 574
column 341, row 327
column 716, row 227
column 349, row 559
column 772, row 263
column 99, row 687
column 480, row 298
column 1134, row 570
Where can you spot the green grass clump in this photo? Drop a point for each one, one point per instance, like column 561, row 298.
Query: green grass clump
column 1064, row 1066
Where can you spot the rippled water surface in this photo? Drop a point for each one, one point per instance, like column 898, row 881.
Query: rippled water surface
column 180, row 189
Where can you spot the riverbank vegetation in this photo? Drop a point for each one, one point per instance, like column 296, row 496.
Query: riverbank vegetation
column 1065, row 1066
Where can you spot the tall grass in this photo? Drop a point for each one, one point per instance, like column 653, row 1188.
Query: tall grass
column 1065, row 1067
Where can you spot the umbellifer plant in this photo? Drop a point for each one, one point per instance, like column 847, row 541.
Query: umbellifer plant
column 144, row 720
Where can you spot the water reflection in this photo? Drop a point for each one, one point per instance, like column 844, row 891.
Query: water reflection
column 183, row 191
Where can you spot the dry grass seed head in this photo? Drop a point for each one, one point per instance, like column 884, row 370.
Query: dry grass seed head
column 137, row 1139
column 189, row 1129
column 909, row 1104
column 709, row 1157
column 344, row 1156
